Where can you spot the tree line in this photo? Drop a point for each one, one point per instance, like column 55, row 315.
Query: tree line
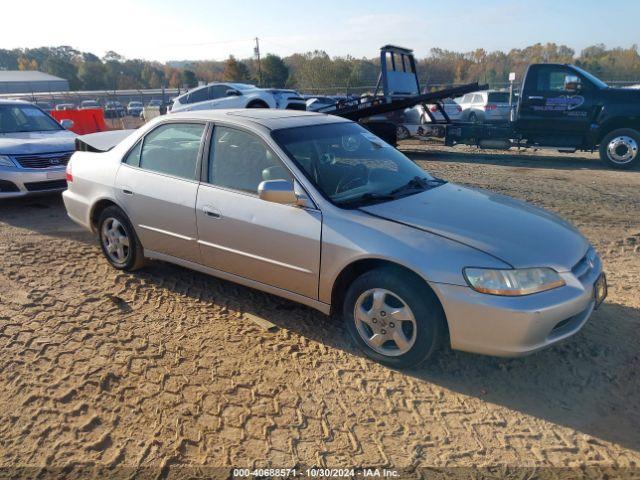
column 313, row 71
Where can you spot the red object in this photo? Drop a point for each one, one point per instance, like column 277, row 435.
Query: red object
column 490, row 106
column 84, row 121
column 69, row 175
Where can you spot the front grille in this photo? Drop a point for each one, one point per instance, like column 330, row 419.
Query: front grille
column 44, row 160
column 586, row 264
column 296, row 106
column 7, row 186
column 48, row 185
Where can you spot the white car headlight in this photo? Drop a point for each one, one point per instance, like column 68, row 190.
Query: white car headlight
column 6, row 161
column 512, row 282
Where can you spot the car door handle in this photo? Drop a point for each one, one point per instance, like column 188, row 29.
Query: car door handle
column 209, row 211
column 126, row 191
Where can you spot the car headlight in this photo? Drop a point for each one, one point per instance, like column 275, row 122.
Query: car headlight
column 6, row 161
column 512, row 282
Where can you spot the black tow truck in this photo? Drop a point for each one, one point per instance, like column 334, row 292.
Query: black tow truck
column 562, row 107
column 397, row 89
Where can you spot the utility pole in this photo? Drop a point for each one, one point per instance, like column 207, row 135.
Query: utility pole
column 256, row 51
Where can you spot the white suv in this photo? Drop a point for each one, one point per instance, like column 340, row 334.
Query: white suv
column 224, row 95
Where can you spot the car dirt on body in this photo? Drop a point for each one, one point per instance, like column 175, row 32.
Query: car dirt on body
column 317, row 209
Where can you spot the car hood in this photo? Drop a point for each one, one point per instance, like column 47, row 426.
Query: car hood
column 513, row 231
column 36, row 142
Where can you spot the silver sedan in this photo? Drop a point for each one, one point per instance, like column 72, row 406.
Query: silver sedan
column 317, row 209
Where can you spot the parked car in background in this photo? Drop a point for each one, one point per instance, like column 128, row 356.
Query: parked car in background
column 114, row 109
column 419, row 115
column 488, row 106
column 317, row 209
column 89, row 104
column 153, row 109
column 65, row 106
column 224, row 95
column 315, row 104
column 134, row 108
column 34, row 150
column 288, row 99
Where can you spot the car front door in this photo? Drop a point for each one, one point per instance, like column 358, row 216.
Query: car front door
column 238, row 233
column 157, row 185
column 556, row 106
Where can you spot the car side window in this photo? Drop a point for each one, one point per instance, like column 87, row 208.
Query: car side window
column 557, row 80
column 217, row 91
column 133, row 157
column 199, row 95
column 240, row 161
column 173, row 149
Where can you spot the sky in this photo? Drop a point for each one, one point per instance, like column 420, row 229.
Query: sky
column 203, row 30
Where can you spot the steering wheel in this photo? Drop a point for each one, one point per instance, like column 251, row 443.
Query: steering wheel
column 359, row 176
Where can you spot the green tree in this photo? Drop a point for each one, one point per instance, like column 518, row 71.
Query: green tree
column 189, row 79
column 235, row 71
column 92, row 75
column 275, row 72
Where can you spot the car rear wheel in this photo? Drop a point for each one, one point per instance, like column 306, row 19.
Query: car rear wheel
column 395, row 319
column 119, row 241
column 257, row 105
column 620, row 148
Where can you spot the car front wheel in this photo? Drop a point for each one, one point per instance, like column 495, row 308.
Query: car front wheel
column 119, row 241
column 394, row 318
column 620, row 148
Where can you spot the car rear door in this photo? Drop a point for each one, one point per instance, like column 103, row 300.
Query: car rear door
column 157, row 185
column 238, row 233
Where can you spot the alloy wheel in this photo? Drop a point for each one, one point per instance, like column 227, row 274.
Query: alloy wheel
column 622, row 149
column 385, row 322
column 115, row 240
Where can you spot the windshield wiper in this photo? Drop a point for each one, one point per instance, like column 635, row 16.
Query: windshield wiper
column 417, row 184
column 366, row 199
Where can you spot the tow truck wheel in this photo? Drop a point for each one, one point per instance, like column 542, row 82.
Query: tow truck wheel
column 621, row 148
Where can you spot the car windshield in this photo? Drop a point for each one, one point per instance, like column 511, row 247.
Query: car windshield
column 595, row 80
column 350, row 165
column 25, row 118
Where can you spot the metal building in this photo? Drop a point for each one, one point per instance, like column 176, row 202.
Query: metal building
column 30, row 81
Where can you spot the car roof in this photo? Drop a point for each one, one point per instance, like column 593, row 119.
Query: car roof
column 14, row 102
column 269, row 118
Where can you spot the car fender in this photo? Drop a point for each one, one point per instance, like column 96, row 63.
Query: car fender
column 263, row 96
column 432, row 257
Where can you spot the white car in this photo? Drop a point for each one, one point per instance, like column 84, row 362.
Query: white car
column 288, row 99
column 224, row 95
column 486, row 106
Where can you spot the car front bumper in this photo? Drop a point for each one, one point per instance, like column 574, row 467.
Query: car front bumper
column 516, row 326
column 20, row 182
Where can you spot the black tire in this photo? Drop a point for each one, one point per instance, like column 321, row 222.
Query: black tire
column 418, row 296
column 257, row 105
column 609, row 158
column 473, row 118
column 134, row 253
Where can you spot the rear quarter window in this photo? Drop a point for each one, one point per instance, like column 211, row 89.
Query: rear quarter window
column 498, row 97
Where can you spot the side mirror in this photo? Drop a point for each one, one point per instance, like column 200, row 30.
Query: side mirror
column 233, row 93
column 277, row 191
column 66, row 124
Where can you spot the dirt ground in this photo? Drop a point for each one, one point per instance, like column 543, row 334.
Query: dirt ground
column 164, row 367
